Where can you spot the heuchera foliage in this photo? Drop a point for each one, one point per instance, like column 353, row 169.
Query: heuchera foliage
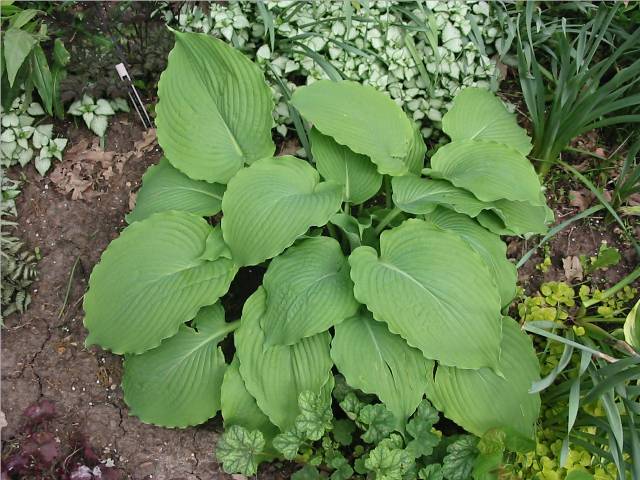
column 393, row 293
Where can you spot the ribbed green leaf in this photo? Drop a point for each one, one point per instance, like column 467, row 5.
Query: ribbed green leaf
column 489, row 170
column 430, row 287
column 376, row 361
column 360, row 117
column 336, row 162
column 275, row 376
column 240, row 408
column 308, row 291
column 479, row 400
column 352, row 228
column 214, row 112
column 520, row 218
column 632, row 327
column 492, row 250
column 152, row 279
column 271, row 203
column 478, row 114
column 421, row 196
column 167, row 188
column 417, row 151
column 492, row 222
column 178, row 383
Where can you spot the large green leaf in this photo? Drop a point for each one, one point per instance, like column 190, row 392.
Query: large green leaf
column 417, row 151
column 270, row 204
column 308, row 291
column 376, row 361
column 275, row 376
column 214, row 113
column 178, row 383
column 489, row 170
column 240, row 408
column 336, row 162
column 492, row 250
column 421, row 196
column 41, row 76
column 166, row 188
column 360, row 117
column 478, row 114
column 523, row 217
column 17, row 45
column 492, row 222
column 479, row 400
column 152, row 279
column 432, row 289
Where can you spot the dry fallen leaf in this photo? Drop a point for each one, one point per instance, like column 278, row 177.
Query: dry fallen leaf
column 132, row 200
column 572, row 268
column 580, row 198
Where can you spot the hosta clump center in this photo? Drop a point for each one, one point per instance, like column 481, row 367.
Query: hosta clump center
column 380, row 294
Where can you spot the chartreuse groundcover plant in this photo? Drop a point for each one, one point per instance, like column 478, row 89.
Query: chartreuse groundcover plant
column 394, row 309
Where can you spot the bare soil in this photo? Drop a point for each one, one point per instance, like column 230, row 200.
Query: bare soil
column 43, row 353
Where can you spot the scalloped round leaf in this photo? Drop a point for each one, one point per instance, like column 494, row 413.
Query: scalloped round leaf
column 489, row 170
column 214, row 109
column 353, row 171
column 488, row 245
column 178, row 383
column 430, row 286
column 480, row 400
column 376, row 361
column 275, row 376
column 420, row 196
column 361, row 118
column 477, row 114
column 240, row 408
column 308, row 291
column 164, row 188
column 268, row 205
column 152, row 279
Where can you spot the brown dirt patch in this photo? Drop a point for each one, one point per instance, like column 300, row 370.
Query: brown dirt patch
column 43, row 354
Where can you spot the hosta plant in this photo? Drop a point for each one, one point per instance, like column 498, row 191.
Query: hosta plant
column 400, row 292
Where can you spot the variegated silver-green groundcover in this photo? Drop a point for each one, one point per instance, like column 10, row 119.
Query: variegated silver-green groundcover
column 405, row 300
